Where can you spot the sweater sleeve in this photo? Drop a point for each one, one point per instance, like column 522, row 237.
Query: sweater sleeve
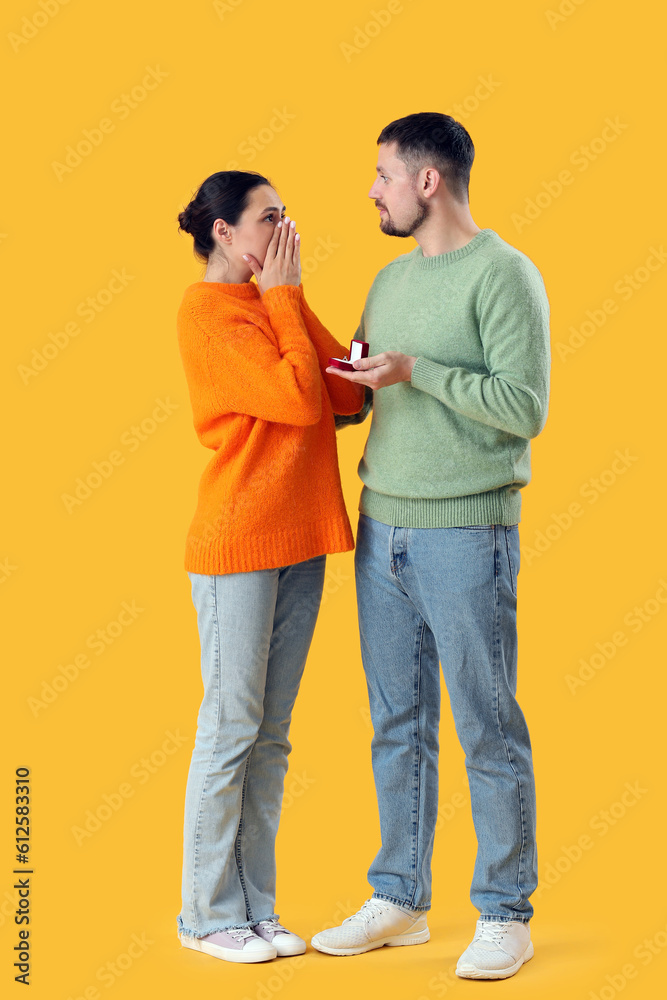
column 346, row 397
column 514, row 331
column 250, row 375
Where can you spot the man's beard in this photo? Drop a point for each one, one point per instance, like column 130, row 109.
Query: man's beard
column 422, row 210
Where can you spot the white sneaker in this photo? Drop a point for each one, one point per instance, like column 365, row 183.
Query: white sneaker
column 377, row 923
column 498, row 950
column 285, row 942
column 236, row 944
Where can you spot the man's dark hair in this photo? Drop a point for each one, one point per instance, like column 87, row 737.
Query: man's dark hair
column 431, row 139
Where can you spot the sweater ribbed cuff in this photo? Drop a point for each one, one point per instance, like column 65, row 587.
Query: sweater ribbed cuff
column 427, row 376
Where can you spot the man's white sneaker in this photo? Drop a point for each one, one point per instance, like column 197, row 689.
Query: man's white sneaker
column 498, row 950
column 285, row 942
column 236, row 944
column 376, row 924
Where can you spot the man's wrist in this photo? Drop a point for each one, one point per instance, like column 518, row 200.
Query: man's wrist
column 409, row 365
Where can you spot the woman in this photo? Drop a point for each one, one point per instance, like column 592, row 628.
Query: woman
column 270, row 506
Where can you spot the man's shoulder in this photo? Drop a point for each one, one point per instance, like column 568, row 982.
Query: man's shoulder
column 507, row 260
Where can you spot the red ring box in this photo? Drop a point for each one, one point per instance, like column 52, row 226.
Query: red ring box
column 358, row 349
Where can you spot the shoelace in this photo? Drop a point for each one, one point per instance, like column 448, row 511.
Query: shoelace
column 492, row 930
column 240, row 933
column 272, row 924
column 369, row 910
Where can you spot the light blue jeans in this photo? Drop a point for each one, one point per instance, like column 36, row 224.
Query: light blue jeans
column 446, row 594
column 255, row 631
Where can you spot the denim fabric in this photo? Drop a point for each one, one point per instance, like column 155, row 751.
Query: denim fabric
column 255, row 631
column 446, row 594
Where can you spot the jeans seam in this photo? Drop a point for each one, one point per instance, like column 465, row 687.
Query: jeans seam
column 496, row 645
column 237, row 846
column 496, row 918
column 195, row 894
column 400, row 902
column 418, row 746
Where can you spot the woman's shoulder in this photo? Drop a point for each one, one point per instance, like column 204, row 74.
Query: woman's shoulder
column 204, row 300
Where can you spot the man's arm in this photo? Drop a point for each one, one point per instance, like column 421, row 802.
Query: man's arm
column 514, row 330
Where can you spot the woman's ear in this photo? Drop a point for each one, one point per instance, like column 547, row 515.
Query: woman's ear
column 221, row 231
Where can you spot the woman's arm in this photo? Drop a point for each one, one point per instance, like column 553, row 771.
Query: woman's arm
column 343, row 420
column 229, row 358
column 346, row 397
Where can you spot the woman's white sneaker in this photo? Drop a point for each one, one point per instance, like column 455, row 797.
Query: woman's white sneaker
column 285, row 942
column 376, row 924
column 236, row 944
column 498, row 950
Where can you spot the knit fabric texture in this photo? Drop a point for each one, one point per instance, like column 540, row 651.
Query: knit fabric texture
column 451, row 447
column 271, row 493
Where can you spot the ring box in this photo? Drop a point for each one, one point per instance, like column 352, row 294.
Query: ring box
column 358, row 349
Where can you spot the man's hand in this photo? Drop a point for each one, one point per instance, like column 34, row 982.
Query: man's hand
column 380, row 370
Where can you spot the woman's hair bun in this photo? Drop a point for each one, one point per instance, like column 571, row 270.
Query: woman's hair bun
column 185, row 218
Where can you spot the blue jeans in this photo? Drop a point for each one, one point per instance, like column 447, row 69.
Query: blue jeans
column 446, row 594
column 255, row 631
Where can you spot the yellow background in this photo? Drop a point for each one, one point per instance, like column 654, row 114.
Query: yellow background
column 67, row 574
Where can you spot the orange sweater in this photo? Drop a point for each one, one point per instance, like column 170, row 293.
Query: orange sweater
column 271, row 494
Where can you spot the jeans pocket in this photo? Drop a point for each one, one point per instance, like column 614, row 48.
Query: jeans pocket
column 512, row 561
column 475, row 527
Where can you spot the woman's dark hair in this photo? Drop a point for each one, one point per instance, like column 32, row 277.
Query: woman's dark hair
column 221, row 196
column 433, row 139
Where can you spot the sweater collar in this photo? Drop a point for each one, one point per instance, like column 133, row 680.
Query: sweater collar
column 443, row 259
column 239, row 289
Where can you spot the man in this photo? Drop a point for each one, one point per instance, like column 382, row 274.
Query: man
column 459, row 367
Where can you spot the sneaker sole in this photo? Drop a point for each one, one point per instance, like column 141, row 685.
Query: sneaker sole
column 421, row 937
column 227, row 954
column 287, row 951
column 473, row 973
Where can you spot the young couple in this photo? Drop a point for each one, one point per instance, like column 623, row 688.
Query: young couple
column 458, row 377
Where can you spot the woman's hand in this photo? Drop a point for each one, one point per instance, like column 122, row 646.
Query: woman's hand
column 282, row 264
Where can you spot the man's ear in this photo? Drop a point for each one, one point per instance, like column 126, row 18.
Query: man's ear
column 343, row 419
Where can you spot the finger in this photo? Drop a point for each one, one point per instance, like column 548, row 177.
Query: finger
column 296, row 253
column 349, row 376
column 373, row 362
column 289, row 245
column 284, row 226
column 272, row 248
column 253, row 264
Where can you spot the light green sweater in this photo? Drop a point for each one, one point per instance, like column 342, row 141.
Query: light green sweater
column 452, row 446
